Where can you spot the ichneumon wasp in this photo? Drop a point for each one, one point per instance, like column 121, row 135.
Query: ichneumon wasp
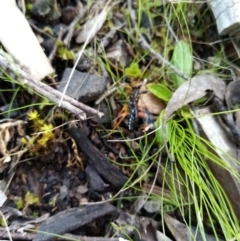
column 133, row 107
column 133, row 110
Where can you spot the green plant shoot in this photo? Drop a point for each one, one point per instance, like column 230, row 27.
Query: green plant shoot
column 160, row 90
column 182, row 59
column 133, row 70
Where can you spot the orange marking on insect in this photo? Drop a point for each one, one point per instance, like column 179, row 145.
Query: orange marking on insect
column 132, row 109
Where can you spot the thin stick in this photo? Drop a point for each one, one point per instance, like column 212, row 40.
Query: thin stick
column 81, row 52
column 54, row 50
column 105, row 95
column 72, row 105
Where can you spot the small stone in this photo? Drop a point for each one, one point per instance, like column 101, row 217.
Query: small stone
column 46, row 10
column 68, row 14
column 83, row 86
column 84, row 64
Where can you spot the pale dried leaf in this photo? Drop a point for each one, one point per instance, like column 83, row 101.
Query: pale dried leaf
column 91, row 27
column 122, row 239
column 182, row 233
column 162, row 237
column 118, row 52
column 153, row 104
column 134, row 144
column 193, row 90
column 44, row 217
column 11, row 123
column 224, row 148
column 84, row 200
column 214, row 132
column 6, row 133
column 20, row 129
column 3, row 198
column 3, row 148
column 21, row 224
column 127, row 222
column 152, row 206
column 82, row 189
column 232, row 97
column 148, row 230
column 7, row 159
column 178, row 230
column 138, row 204
column 237, row 117
column 27, row 227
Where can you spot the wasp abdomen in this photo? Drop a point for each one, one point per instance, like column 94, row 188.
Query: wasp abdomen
column 133, row 108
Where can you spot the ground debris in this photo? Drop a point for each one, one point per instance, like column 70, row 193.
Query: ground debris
column 194, row 89
column 83, row 86
column 95, row 181
column 181, row 232
column 72, row 219
column 109, row 172
column 9, row 129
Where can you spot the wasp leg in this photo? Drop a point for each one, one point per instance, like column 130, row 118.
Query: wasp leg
column 122, row 115
column 119, row 119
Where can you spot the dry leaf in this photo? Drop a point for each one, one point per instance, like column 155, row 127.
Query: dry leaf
column 148, row 230
column 152, row 206
column 193, row 90
column 118, row 53
column 3, row 198
column 232, row 97
column 162, row 237
column 182, row 233
column 225, row 149
column 153, row 104
column 6, row 159
column 6, row 133
column 91, row 27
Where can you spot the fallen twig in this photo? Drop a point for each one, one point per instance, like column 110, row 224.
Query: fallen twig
column 105, row 95
column 68, row 103
column 72, row 219
column 16, row 236
column 54, row 50
column 108, row 171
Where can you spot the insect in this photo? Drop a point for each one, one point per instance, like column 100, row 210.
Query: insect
column 130, row 110
column 133, row 108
